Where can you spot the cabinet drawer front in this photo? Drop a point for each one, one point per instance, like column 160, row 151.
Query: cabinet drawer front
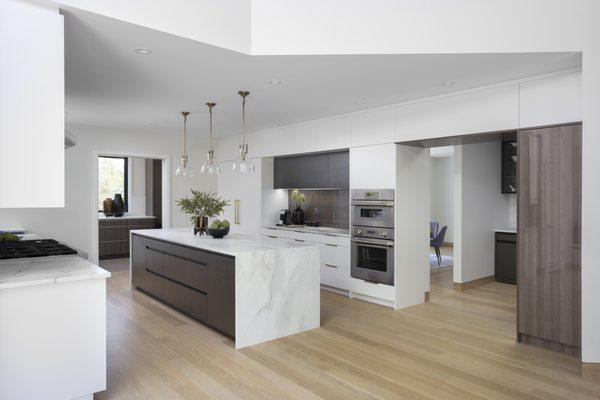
column 186, row 300
column 186, row 272
column 335, row 255
column 154, row 260
column 112, row 233
column 506, row 237
column 335, row 276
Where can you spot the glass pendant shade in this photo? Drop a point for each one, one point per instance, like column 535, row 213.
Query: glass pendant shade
column 243, row 162
column 184, row 169
column 211, row 165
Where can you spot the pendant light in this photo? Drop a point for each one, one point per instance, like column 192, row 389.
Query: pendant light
column 243, row 163
column 211, row 165
column 184, row 166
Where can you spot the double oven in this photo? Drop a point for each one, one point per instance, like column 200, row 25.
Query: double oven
column 372, row 254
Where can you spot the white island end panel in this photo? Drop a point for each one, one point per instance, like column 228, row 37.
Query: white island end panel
column 277, row 294
column 53, row 340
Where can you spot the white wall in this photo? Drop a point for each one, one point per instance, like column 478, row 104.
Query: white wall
column 73, row 223
column 442, row 194
column 413, row 174
column 482, row 208
column 32, row 101
column 137, row 186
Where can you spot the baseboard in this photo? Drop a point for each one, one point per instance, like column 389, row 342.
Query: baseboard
column 474, row 283
column 335, row 290
column 427, row 295
column 590, row 370
column 448, row 244
column 370, row 299
column 548, row 344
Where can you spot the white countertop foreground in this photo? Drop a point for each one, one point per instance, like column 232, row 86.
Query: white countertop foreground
column 47, row 270
column 232, row 244
column 321, row 230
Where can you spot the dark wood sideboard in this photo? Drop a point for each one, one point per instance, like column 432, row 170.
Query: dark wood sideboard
column 113, row 235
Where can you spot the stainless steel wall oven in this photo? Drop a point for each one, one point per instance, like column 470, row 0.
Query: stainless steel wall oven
column 372, row 254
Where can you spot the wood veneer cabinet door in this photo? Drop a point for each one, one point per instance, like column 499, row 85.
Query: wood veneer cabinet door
column 549, row 237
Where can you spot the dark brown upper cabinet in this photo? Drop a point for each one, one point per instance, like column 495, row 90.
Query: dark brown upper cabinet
column 339, row 170
column 286, row 173
column 313, row 171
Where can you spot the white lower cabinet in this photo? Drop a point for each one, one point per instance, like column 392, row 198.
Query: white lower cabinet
column 334, row 250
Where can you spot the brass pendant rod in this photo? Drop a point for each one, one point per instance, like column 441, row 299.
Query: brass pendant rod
column 243, row 93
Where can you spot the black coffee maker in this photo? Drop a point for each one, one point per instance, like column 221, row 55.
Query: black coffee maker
column 285, row 217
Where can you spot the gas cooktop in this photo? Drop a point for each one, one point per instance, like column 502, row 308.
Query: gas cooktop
column 33, row 248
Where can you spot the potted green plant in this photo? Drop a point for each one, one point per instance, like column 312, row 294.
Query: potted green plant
column 202, row 206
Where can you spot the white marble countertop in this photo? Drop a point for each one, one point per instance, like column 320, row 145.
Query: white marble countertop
column 125, row 216
column 506, row 230
column 312, row 229
column 47, row 270
column 232, row 244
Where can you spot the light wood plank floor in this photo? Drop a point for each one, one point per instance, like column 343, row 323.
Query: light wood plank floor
column 460, row 345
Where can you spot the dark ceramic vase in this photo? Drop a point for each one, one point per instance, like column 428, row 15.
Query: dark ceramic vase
column 298, row 216
column 107, row 207
column 118, row 205
column 201, row 225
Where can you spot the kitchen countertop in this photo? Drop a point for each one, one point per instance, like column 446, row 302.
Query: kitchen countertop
column 102, row 216
column 311, row 229
column 25, row 272
column 506, row 230
column 232, row 244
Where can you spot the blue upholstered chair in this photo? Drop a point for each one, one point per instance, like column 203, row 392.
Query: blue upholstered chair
column 433, row 229
column 437, row 242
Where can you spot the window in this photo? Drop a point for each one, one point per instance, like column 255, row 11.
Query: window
column 112, row 179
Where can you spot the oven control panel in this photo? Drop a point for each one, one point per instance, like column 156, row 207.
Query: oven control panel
column 371, row 232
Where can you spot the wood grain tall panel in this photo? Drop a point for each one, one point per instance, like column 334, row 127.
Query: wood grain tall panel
column 549, row 237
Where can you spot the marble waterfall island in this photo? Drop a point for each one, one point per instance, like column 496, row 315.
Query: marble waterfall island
column 251, row 289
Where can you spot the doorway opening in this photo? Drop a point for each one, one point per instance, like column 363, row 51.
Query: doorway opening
column 131, row 192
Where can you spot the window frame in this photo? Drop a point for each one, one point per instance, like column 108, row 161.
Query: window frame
column 125, row 178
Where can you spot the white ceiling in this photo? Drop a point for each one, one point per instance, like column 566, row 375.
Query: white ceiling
column 108, row 84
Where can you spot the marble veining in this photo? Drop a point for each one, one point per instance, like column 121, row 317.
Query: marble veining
column 232, row 244
column 47, row 270
column 312, row 229
column 277, row 294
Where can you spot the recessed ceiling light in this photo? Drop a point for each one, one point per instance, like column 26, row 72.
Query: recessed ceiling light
column 275, row 82
column 359, row 103
column 448, row 83
column 143, row 51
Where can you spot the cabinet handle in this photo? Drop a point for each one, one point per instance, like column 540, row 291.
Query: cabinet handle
column 236, row 212
column 330, row 265
column 331, row 245
column 273, row 237
column 299, row 240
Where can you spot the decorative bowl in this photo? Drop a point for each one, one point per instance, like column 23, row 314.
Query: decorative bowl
column 218, row 233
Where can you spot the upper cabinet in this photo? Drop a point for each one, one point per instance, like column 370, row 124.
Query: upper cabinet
column 313, row 171
column 31, row 105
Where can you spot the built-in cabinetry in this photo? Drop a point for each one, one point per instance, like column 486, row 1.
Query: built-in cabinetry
column 113, row 234
column 335, row 265
column 312, row 171
column 334, row 251
column 32, row 100
column 505, row 257
column 198, row 283
column 509, row 166
column 549, row 245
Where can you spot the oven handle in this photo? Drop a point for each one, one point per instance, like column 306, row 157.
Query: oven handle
column 382, row 245
column 373, row 203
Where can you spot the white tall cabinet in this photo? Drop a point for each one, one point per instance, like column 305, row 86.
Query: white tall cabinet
column 31, row 105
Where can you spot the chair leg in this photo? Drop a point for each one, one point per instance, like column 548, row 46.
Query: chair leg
column 439, row 256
